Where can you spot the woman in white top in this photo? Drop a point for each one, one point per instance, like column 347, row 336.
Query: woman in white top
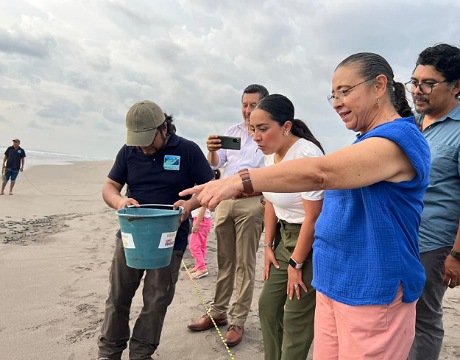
column 287, row 310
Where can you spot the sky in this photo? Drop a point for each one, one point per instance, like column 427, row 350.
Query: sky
column 70, row 70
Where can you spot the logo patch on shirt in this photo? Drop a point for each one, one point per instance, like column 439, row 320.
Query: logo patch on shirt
column 171, row 162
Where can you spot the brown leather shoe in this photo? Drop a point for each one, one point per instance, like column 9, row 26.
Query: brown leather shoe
column 205, row 323
column 234, row 335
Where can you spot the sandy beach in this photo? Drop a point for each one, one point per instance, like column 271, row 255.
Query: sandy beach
column 56, row 244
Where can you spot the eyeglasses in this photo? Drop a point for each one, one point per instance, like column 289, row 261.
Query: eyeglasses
column 340, row 94
column 425, row 87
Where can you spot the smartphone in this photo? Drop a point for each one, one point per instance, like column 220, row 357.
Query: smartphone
column 230, row 142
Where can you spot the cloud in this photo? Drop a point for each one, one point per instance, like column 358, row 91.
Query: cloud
column 75, row 70
column 22, row 40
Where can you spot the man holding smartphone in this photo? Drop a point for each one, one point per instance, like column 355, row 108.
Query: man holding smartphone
column 238, row 227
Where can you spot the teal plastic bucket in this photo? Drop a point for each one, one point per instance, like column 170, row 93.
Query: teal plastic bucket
column 148, row 234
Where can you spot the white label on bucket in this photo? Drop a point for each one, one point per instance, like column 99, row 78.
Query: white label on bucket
column 128, row 241
column 167, row 240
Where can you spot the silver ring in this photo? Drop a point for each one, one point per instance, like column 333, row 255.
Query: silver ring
column 296, row 286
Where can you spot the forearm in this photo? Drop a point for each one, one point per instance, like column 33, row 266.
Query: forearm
column 200, row 216
column 213, row 158
column 288, row 177
column 111, row 195
column 456, row 246
column 451, row 268
column 359, row 165
column 270, row 221
column 307, row 230
column 304, row 241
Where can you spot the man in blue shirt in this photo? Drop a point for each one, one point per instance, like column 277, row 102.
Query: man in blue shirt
column 435, row 89
column 156, row 165
column 13, row 162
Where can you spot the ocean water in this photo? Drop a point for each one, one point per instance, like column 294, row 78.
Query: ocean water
column 37, row 157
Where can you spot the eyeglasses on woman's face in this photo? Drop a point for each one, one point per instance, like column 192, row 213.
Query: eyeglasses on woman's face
column 426, row 87
column 340, row 94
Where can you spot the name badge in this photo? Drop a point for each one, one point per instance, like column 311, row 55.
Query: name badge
column 171, row 162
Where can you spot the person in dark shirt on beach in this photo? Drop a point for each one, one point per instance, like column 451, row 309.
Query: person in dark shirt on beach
column 156, row 164
column 13, row 162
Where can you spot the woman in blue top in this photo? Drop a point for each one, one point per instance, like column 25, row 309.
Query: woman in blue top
column 366, row 265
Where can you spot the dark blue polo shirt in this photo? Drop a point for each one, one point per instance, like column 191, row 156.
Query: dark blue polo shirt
column 158, row 179
column 14, row 157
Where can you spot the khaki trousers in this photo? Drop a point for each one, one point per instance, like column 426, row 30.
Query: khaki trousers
column 239, row 225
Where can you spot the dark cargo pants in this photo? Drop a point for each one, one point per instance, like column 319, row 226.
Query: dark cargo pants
column 158, row 293
column 429, row 329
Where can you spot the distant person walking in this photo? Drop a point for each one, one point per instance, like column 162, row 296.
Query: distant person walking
column 13, row 162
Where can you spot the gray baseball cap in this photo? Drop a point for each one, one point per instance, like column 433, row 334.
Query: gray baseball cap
column 142, row 122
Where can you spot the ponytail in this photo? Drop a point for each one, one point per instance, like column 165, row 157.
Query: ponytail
column 399, row 100
column 300, row 129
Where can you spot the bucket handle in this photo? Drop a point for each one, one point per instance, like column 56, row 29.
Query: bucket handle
column 153, row 206
column 159, row 205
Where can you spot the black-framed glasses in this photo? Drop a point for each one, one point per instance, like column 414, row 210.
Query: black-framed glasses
column 425, row 87
column 340, row 94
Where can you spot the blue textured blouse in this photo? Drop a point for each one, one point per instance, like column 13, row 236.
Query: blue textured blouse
column 366, row 239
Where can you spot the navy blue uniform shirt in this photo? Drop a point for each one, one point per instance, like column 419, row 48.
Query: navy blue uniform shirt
column 14, row 157
column 159, row 178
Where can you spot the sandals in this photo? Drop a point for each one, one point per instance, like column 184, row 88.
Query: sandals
column 200, row 273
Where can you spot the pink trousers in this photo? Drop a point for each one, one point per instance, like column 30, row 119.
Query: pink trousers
column 344, row 332
column 199, row 242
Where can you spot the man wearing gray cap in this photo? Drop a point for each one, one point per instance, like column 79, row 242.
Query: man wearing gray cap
column 13, row 162
column 156, row 165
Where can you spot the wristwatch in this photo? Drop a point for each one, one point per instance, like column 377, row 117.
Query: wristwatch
column 295, row 264
column 246, row 179
column 455, row 254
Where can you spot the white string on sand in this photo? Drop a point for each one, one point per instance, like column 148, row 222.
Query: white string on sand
column 208, row 310
column 54, row 194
